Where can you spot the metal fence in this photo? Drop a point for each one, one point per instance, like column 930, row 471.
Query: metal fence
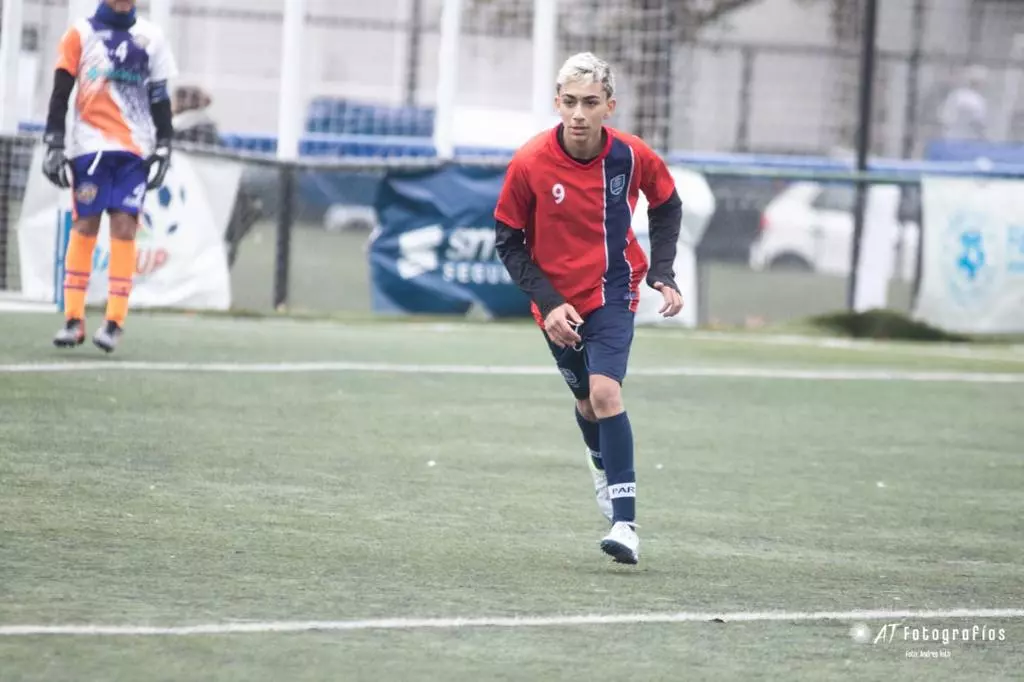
column 15, row 154
column 769, row 76
column 299, row 233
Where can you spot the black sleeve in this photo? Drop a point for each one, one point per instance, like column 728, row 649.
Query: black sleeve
column 664, row 224
column 63, row 84
column 511, row 246
column 162, row 120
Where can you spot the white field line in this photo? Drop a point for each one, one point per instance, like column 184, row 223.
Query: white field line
column 230, row 628
column 513, row 370
column 951, row 351
column 1009, row 353
column 955, row 351
column 16, row 306
column 945, row 350
column 948, row 350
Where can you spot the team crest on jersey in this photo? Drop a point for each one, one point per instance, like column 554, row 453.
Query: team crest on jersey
column 617, row 184
column 86, row 194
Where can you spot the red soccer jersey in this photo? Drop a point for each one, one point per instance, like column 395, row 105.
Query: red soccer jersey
column 578, row 216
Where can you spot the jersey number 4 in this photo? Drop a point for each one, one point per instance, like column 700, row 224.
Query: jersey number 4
column 122, row 51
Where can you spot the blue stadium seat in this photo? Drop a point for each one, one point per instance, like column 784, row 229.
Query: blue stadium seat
column 344, row 117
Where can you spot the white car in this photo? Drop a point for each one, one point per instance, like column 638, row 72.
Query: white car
column 809, row 226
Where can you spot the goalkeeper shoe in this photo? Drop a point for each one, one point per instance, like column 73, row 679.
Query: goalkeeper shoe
column 604, row 502
column 622, row 543
column 107, row 337
column 71, row 334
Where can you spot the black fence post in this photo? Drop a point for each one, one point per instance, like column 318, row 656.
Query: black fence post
column 746, row 85
column 703, row 290
column 285, row 220
column 910, row 115
column 412, row 59
column 666, row 57
column 6, row 174
column 867, row 77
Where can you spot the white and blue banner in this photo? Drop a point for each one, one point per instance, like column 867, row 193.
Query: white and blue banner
column 972, row 278
column 181, row 258
column 433, row 251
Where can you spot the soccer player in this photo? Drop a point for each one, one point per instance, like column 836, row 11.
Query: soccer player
column 563, row 231
column 121, row 131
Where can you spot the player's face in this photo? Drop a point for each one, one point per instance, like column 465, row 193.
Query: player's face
column 121, row 5
column 583, row 107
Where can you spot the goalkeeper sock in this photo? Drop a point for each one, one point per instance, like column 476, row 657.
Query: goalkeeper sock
column 77, row 269
column 617, row 453
column 591, row 436
column 122, row 269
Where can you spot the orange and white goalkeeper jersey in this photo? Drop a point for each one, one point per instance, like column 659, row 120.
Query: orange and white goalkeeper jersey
column 113, row 69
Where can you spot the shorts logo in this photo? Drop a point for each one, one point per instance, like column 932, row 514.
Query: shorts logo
column 570, row 377
column 617, row 184
column 86, row 194
column 134, row 200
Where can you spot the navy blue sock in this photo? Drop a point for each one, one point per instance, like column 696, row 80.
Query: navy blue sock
column 617, row 453
column 591, row 436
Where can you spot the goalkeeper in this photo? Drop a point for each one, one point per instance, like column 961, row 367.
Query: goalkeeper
column 119, row 147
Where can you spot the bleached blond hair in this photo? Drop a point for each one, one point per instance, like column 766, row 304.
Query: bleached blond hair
column 586, row 67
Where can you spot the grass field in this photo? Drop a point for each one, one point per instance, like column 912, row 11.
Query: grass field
column 255, row 475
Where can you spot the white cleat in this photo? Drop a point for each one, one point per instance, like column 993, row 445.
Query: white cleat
column 604, row 502
column 622, row 543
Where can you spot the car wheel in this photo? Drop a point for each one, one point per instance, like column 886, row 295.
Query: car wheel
column 790, row 262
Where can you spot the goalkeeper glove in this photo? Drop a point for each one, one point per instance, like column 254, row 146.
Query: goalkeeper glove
column 161, row 158
column 55, row 163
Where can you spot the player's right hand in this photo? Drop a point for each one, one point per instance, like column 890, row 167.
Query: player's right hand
column 161, row 158
column 55, row 163
column 561, row 324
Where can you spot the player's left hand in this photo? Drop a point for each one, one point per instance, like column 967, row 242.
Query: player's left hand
column 55, row 163
column 673, row 300
column 161, row 158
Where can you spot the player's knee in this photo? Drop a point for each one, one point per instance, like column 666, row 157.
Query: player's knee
column 88, row 227
column 605, row 396
column 123, row 225
column 586, row 409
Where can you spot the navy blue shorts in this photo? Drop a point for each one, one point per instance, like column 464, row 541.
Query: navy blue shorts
column 108, row 181
column 607, row 337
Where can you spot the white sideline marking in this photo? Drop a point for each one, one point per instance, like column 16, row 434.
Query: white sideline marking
column 515, row 370
column 952, row 351
column 948, row 350
column 461, row 623
column 14, row 306
column 961, row 351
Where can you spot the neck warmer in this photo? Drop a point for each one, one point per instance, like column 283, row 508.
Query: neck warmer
column 122, row 20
